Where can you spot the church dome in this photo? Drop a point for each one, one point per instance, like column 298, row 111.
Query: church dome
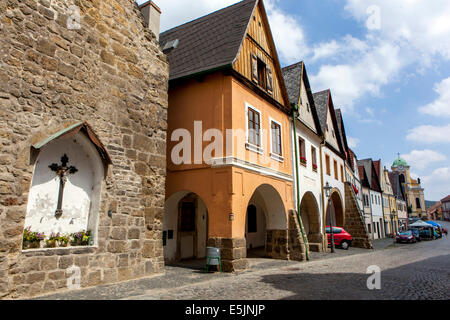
column 400, row 162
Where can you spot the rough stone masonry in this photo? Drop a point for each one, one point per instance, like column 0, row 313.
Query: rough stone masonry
column 111, row 74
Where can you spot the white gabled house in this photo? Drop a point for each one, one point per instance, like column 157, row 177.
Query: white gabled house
column 308, row 137
column 332, row 159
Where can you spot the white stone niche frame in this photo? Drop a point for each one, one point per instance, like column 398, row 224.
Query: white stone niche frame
column 82, row 192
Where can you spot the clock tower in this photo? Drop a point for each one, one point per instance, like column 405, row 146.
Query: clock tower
column 411, row 187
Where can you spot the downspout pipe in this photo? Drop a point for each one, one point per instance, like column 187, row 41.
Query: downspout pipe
column 297, row 178
column 371, row 217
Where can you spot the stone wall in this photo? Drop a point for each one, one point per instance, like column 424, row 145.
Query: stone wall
column 354, row 222
column 111, row 74
column 233, row 253
column 296, row 245
column 277, row 244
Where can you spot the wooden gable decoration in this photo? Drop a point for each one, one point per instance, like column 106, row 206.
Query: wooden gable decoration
column 258, row 48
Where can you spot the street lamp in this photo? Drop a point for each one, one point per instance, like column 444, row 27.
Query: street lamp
column 392, row 221
column 327, row 190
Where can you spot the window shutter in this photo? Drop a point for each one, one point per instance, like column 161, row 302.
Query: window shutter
column 254, row 68
column 269, row 80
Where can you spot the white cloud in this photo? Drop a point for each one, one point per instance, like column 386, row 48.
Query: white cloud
column 411, row 32
column 437, row 184
column 288, row 34
column 352, row 142
column 422, row 24
column 421, row 159
column 441, row 106
column 370, row 65
column 429, row 134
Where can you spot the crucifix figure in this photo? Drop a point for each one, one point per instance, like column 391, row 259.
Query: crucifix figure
column 62, row 171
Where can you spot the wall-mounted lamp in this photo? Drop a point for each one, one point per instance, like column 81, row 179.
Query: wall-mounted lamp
column 231, row 216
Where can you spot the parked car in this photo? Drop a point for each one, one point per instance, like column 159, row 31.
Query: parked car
column 416, row 234
column 405, row 237
column 341, row 237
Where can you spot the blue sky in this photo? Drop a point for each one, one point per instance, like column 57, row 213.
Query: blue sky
column 387, row 64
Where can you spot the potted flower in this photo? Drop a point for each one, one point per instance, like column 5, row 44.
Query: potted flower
column 81, row 238
column 32, row 239
column 314, row 167
column 303, row 160
column 63, row 241
column 51, row 241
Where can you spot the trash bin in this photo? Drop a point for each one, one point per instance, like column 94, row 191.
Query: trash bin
column 213, row 258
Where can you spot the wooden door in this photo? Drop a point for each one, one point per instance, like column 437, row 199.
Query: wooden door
column 187, row 230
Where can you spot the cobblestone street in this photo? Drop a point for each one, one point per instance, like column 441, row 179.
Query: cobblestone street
column 409, row 271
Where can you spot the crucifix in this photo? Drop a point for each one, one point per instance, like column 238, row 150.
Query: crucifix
column 62, row 171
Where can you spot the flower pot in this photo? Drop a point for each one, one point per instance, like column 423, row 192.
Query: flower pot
column 50, row 243
column 31, row 244
column 62, row 244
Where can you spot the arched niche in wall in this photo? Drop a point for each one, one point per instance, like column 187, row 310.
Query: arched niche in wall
column 72, row 206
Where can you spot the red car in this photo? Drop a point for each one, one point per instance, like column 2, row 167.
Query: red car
column 341, row 237
column 406, row 236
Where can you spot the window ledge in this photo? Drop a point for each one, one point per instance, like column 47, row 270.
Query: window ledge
column 303, row 164
column 78, row 249
column 253, row 148
column 277, row 157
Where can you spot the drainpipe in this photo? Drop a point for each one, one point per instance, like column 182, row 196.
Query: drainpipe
column 371, row 217
column 324, row 218
column 297, row 178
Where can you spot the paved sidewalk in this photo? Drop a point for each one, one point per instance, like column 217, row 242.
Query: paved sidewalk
column 187, row 274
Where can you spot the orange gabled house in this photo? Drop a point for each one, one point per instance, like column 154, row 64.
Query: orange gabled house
column 229, row 170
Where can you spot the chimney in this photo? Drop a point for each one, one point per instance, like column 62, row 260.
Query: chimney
column 152, row 14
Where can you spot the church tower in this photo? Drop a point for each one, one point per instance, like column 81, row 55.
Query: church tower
column 411, row 188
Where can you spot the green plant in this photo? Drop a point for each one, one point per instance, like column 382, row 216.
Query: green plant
column 31, row 238
column 81, row 238
column 63, row 240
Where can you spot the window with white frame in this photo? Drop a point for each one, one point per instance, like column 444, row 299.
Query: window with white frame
column 253, row 117
column 276, row 140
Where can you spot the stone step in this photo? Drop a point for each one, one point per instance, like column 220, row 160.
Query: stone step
column 315, row 247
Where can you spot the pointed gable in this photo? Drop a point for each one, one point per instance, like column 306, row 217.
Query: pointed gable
column 208, row 43
column 363, row 176
column 341, row 130
column 327, row 119
column 299, row 92
column 258, row 47
column 373, row 179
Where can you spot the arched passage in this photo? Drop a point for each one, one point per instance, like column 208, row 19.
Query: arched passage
column 310, row 214
column 335, row 209
column 266, row 222
column 185, row 227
